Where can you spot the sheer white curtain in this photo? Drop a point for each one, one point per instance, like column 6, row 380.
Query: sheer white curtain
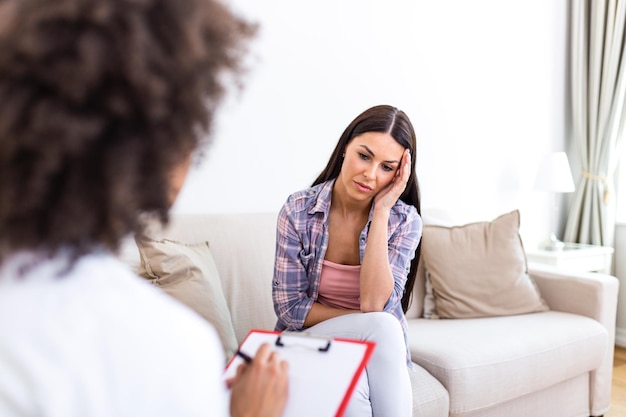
column 598, row 92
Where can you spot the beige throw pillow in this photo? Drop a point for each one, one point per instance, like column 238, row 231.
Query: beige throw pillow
column 188, row 273
column 479, row 270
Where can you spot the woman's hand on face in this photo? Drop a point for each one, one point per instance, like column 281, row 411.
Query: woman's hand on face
column 389, row 195
column 260, row 388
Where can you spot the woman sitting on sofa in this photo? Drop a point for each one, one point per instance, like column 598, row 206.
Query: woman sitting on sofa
column 103, row 103
column 347, row 252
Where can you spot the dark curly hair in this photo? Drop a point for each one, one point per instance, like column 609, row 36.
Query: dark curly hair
column 99, row 101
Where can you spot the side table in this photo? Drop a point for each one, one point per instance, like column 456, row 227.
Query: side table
column 577, row 256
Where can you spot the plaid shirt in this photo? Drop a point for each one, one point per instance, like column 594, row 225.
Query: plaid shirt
column 301, row 243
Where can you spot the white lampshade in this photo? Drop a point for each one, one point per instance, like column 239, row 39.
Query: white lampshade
column 555, row 174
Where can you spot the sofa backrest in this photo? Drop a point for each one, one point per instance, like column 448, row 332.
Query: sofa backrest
column 243, row 247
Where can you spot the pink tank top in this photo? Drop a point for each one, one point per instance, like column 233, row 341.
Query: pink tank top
column 339, row 285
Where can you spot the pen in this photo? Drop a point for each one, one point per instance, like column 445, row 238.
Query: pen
column 244, row 356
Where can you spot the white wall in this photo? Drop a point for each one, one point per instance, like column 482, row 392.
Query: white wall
column 483, row 82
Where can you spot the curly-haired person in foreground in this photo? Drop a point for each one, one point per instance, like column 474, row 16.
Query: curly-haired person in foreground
column 102, row 104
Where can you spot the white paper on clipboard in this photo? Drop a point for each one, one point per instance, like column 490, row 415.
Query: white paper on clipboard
column 323, row 372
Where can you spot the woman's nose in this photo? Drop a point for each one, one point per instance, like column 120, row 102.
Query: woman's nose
column 370, row 172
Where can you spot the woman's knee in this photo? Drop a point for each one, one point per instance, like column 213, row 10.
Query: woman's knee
column 380, row 327
column 383, row 324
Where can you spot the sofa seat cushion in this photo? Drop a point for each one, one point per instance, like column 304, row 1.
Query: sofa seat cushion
column 487, row 361
column 430, row 398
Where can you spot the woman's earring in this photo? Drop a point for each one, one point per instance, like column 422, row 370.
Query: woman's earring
column 343, row 155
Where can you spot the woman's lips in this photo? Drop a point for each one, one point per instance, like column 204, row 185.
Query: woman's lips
column 362, row 187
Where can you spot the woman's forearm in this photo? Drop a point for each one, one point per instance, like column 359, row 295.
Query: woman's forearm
column 320, row 313
column 376, row 282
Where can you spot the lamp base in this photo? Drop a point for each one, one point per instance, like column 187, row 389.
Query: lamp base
column 553, row 244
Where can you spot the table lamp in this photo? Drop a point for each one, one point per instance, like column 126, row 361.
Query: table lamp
column 554, row 176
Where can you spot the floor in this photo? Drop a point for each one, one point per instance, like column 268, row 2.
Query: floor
column 618, row 392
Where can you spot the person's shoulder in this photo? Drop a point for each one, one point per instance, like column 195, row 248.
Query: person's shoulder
column 96, row 292
column 303, row 200
column 102, row 310
column 136, row 293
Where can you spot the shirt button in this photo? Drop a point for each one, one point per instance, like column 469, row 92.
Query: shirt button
column 276, row 283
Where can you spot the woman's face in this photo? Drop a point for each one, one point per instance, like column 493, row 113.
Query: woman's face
column 370, row 162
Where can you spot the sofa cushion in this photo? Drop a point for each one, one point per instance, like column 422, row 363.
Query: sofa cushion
column 488, row 361
column 188, row 273
column 430, row 398
column 478, row 270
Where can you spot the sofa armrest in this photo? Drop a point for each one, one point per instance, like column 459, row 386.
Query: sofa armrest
column 588, row 294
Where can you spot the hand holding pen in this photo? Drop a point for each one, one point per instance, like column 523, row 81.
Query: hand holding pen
column 260, row 385
column 246, row 358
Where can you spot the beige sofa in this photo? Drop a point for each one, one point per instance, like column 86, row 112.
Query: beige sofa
column 553, row 363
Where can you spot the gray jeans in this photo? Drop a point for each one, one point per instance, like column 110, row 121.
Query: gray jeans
column 384, row 390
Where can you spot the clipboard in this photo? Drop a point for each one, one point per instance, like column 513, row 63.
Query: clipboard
column 323, row 372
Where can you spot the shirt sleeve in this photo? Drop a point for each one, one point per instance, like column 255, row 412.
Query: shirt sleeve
column 403, row 241
column 290, row 287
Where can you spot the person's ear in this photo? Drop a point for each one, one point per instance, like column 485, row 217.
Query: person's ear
column 177, row 178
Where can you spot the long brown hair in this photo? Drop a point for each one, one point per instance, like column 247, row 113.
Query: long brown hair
column 387, row 119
